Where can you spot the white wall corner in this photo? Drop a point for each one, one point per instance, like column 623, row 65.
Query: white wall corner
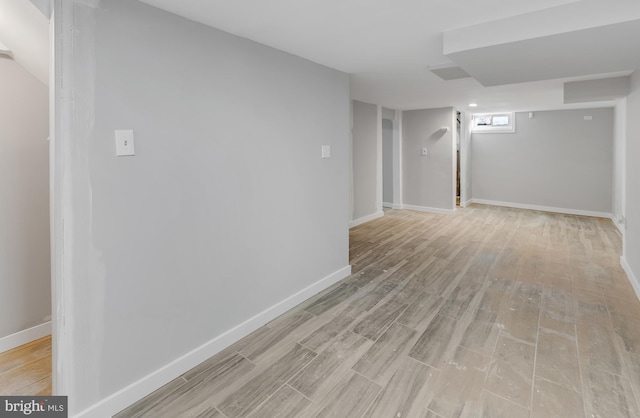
column 454, row 152
column 143, row 387
column 630, row 274
column 24, row 337
column 366, row 219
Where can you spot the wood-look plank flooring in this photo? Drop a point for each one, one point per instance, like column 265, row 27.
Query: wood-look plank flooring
column 491, row 312
column 26, row 370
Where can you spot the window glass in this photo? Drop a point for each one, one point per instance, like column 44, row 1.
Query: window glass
column 494, row 122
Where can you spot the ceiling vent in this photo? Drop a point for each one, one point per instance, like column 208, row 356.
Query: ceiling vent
column 448, row 71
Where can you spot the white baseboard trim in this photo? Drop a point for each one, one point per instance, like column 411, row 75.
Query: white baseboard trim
column 366, row 219
column 467, row 203
column 138, row 390
column 429, row 210
column 391, row 205
column 632, row 277
column 620, row 226
column 543, row 208
column 23, row 337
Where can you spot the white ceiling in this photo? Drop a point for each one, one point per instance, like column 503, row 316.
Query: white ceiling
column 387, row 45
column 351, row 35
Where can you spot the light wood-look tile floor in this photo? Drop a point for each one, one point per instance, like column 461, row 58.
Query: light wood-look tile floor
column 492, row 312
column 26, row 370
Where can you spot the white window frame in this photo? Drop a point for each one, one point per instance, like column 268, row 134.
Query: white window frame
column 510, row 128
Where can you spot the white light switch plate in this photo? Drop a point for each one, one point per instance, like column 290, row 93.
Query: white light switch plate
column 424, row 152
column 326, row 151
column 124, row 143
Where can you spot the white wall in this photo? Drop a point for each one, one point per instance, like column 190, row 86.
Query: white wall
column 555, row 160
column 25, row 279
column 367, row 161
column 225, row 210
column 387, row 161
column 619, row 169
column 428, row 182
column 631, row 257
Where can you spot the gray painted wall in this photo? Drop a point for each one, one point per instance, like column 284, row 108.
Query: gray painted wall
column 227, row 207
column 366, row 126
column 632, row 235
column 25, row 271
column 557, row 159
column 387, row 160
column 428, row 181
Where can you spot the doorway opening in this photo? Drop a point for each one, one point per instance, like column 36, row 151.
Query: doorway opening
column 25, row 250
column 458, row 170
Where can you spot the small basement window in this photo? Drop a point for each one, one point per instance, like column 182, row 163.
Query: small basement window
column 494, row 122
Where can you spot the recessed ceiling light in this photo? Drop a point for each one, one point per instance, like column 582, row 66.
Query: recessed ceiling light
column 473, row 104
